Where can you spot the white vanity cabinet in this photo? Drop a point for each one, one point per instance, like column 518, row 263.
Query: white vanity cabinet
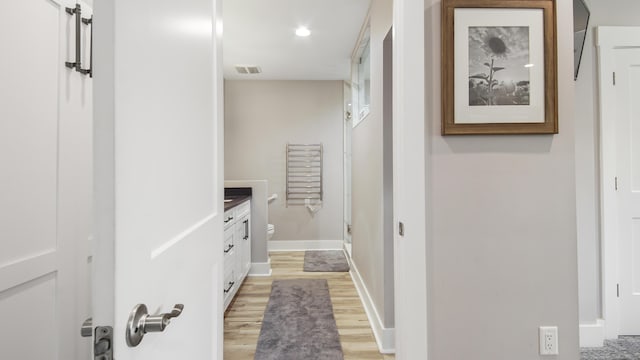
column 237, row 248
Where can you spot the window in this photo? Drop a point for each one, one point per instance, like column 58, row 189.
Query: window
column 361, row 77
column 364, row 83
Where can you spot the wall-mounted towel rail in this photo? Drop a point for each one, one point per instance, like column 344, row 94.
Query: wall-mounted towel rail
column 304, row 173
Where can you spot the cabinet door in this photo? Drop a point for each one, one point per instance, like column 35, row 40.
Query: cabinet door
column 240, row 237
column 230, row 270
column 246, row 244
column 228, row 218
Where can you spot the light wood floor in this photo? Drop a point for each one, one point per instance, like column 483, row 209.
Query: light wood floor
column 244, row 316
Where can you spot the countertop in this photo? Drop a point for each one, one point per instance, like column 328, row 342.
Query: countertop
column 235, row 201
column 236, row 195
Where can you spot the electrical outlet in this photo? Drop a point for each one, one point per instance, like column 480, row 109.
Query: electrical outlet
column 548, row 340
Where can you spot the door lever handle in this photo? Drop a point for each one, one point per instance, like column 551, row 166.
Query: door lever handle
column 157, row 323
column 140, row 322
column 177, row 310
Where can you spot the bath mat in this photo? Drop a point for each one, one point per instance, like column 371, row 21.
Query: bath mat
column 325, row 261
column 298, row 323
column 622, row 348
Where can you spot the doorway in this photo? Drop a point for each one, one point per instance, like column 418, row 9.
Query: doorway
column 292, row 92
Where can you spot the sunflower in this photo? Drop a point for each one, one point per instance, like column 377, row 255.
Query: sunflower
column 494, row 46
column 497, row 46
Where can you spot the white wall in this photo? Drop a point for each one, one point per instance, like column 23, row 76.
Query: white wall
column 260, row 118
column 370, row 226
column 616, row 12
column 503, row 260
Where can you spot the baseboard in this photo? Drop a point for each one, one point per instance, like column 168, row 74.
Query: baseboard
column 302, row 245
column 261, row 269
column 385, row 337
column 592, row 335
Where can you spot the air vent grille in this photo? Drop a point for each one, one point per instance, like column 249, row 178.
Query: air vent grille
column 248, row 69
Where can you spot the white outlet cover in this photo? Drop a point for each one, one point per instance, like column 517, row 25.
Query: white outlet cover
column 548, row 340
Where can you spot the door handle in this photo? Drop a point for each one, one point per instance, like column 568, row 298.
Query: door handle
column 140, row 322
column 77, row 12
column 231, row 283
column 88, row 71
column 77, row 65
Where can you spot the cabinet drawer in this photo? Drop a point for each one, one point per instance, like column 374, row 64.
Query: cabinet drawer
column 229, row 244
column 242, row 209
column 229, row 266
column 229, row 284
column 229, row 216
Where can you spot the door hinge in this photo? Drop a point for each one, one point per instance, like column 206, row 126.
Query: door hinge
column 401, row 228
column 617, row 290
column 614, row 78
column 616, row 183
column 349, row 229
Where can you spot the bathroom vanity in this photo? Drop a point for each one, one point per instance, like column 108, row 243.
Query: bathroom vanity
column 237, row 241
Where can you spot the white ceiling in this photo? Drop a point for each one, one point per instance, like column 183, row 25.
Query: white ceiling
column 262, row 33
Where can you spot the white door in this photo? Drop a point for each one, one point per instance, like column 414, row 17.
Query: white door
column 158, row 174
column 45, row 183
column 628, row 182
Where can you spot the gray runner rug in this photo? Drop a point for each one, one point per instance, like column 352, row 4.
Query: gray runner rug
column 298, row 323
column 325, row 261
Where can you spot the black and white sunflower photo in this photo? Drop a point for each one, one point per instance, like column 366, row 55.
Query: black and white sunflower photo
column 499, row 66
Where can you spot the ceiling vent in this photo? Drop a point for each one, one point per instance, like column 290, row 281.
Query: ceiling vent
column 248, row 69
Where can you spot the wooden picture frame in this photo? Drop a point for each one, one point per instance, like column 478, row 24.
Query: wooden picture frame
column 499, row 67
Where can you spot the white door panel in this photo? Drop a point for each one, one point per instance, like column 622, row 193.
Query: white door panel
column 628, row 170
column 45, row 184
column 29, row 128
column 37, row 300
column 158, row 176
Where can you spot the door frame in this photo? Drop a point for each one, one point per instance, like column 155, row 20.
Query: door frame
column 346, row 156
column 608, row 39
column 410, row 180
column 409, row 177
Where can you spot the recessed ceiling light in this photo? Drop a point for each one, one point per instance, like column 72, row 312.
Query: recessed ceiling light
column 303, row 31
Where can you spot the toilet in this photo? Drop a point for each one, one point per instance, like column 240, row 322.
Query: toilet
column 270, row 230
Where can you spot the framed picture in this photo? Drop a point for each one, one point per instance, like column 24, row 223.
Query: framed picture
column 499, row 67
